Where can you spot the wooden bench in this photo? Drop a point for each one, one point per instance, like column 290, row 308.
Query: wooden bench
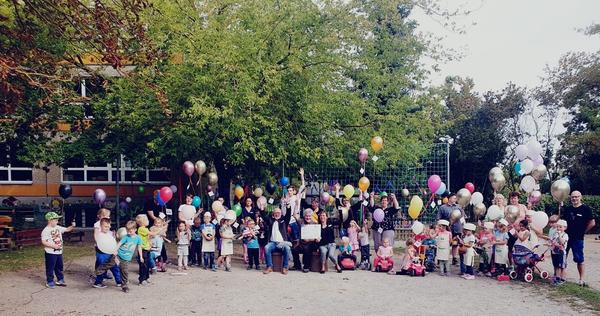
column 28, row 237
column 277, row 257
column 315, row 262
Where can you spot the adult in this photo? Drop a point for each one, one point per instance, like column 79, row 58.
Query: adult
column 248, row 212
column 276, row 227
column 456, row 228
column 579, row 221
column 347, row 211
column 513, row 199
column 187, row 212
column 385, row 229
column 304, row 246
column 327, row 243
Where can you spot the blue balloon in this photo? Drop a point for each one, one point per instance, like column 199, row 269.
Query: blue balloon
column 284, row 181
column 442, row 189
column 159, row 200
column 196, row 201
column 518, row 168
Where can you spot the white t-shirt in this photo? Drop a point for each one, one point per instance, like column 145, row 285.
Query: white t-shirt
column 275, row 233
column 53, row 235
column 364, row 238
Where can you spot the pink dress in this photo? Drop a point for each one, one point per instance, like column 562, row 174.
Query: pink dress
column 353, row 236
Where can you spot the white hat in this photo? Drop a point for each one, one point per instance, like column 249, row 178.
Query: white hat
column 488, row 225
column 529, row 212
column 470, row 226
column 207, row 214
column 562, row 223
column 503, row 222
column 443, row 222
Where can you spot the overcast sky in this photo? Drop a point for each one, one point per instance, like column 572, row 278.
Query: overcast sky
column 513, row 40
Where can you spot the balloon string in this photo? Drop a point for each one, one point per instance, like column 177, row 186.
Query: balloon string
column 192, row 185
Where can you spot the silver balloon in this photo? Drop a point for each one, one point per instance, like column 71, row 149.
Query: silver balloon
column 455, row 215
column 498, row 182
column 212, row 178
column 511, row 213
column 463, row 197
column 479, row 210
column 560, row 190
column 494, row 172
column 539, row 172
column 405, row 193
column 200, row 167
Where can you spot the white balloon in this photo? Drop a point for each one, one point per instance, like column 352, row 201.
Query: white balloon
column 534, row 147
column 526, row 166
column 521, row 152
column 476, row 198
column 128, row 199
column 106, row 243
column 539, row 220
column 417, row 227
column 494, row 212
column 528, row 184
column 188, row 213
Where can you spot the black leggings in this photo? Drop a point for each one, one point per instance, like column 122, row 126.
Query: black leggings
column 253, row 257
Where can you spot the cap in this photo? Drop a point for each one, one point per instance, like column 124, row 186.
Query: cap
column 562, row 223
column 207, row 214
column 503, row 222
column 52, row 215
column 488, row 225
column 383, row 194
column 470, row 226
column 443, row 222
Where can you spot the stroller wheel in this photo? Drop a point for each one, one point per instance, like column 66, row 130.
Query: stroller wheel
column 544, row 274
column 513, row 274
column 528, row 277
column 528, row 270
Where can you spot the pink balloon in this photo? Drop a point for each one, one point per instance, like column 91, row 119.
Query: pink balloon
column 325, row 197
column 378, row 215
column 363, row 155
column 470, row 186
column 188, row 168
column 434, row 182
column 166, row 194
column 535, row 197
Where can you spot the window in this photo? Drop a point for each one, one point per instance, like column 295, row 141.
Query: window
column 13, row 170
column 75, row 170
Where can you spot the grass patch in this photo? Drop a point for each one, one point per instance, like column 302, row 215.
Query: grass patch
column 33, row 256
column 585, row 294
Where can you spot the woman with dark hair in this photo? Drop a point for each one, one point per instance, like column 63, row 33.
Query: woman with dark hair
column 327, row 243
column 385, row 229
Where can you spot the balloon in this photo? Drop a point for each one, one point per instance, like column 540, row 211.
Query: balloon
column 196, row 201
column 232, row 214
column 494, row 212
column 535, row 197
column 325, row 197
column 417, row 227
column 188, row 168
column 159, row 201
column 479, row 210
column 464, row 197
column 348, row 191
column 441, row 189
column 270, row 187
column 455, row 215
column 539, row 172
column 494, row 172
column 498, row 182
column 539, row 220
column 363, row 155
column 99, row 196
column 213, row 179
column 217, row 206
column 173, row 188
column 415, row 207
column 237, row 209
column 376, row 143
column 470, row 186
column 166, row 194
column 106, row 243
column 560, row 190
column 238, row 192
column 261, row 203
column 534, row 148
column 528, row 184
column 121, row 233
column 378, row 215
column 128, row 199
column 65, row 191
column 284, row 181
column 363, row 184
column 445, row 200
column 405, row 193
column 200, row 167
column 521, row 152
column 537, row 160
column 434, row 182
column 141, row 189
column 188, row 213
column 511, row 213
column 518, row 169
column 209, row 188
column 476, row 198
column 526, row 166
column 123, row 205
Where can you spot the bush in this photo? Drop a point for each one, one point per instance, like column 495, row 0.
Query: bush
column 551, row 207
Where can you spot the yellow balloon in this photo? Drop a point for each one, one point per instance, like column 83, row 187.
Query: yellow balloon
column 376, row 143
column 363, row 184
column 348, row 191
column 416, row 205
column 239, row 192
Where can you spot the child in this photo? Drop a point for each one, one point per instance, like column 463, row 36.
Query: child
column 208, row 242
column 143, row 261
column 250, row 236
column 157, row 262
column 183, row 245
column 106, row 261
column 442, row 239
column 128, row 245
column 346, row 249
column 196, row 243
column 500, row 246
column 226, row 242
column 53, row 249
column 353, row 231
column 559, row 240
column 102, row 213
column 385, row 252
column 552, row 227
column 429, row 244
column 468, row 258
column 485, row 242
column 365, row 247
column 409, row 255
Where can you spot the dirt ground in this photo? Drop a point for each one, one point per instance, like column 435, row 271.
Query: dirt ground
column 251, row 292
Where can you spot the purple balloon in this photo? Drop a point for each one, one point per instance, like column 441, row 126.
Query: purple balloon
column 434, row 182
column 99, row 196
column 378, row 215
column 123, row 205
column 538, row 160
column 325, row 197
column 188, row 168
column 363, row 155
column 173, row 188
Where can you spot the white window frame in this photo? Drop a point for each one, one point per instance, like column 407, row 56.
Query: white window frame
column 109, row 168
column 10, row 168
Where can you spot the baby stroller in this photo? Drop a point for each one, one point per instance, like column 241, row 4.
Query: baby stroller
column 429, row 261
column 526, row 261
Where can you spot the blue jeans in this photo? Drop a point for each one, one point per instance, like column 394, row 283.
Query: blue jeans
column 209, row 260
column 285, row 250
column 463, row 268
column 106, row 262
column 152, row 261
column 54, row 265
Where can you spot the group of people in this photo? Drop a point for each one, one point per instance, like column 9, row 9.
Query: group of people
column 206, row 238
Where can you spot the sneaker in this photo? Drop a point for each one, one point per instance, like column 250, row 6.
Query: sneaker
column 258, row 268
column 227, row 269
column 249, row 268
column 306, row 270
column 50, row 285
column 99, row 285
column 284, row 271
column 61, row 283
column 469, row 277
column 580, row 283
column 267, row 270
column 119, row 284
column 489, row 274
column 205, row 268
column 125, row 289
column 454, row 261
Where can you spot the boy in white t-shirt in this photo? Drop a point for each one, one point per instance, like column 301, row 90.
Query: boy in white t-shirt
column 53, row 249
column 559, row 239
